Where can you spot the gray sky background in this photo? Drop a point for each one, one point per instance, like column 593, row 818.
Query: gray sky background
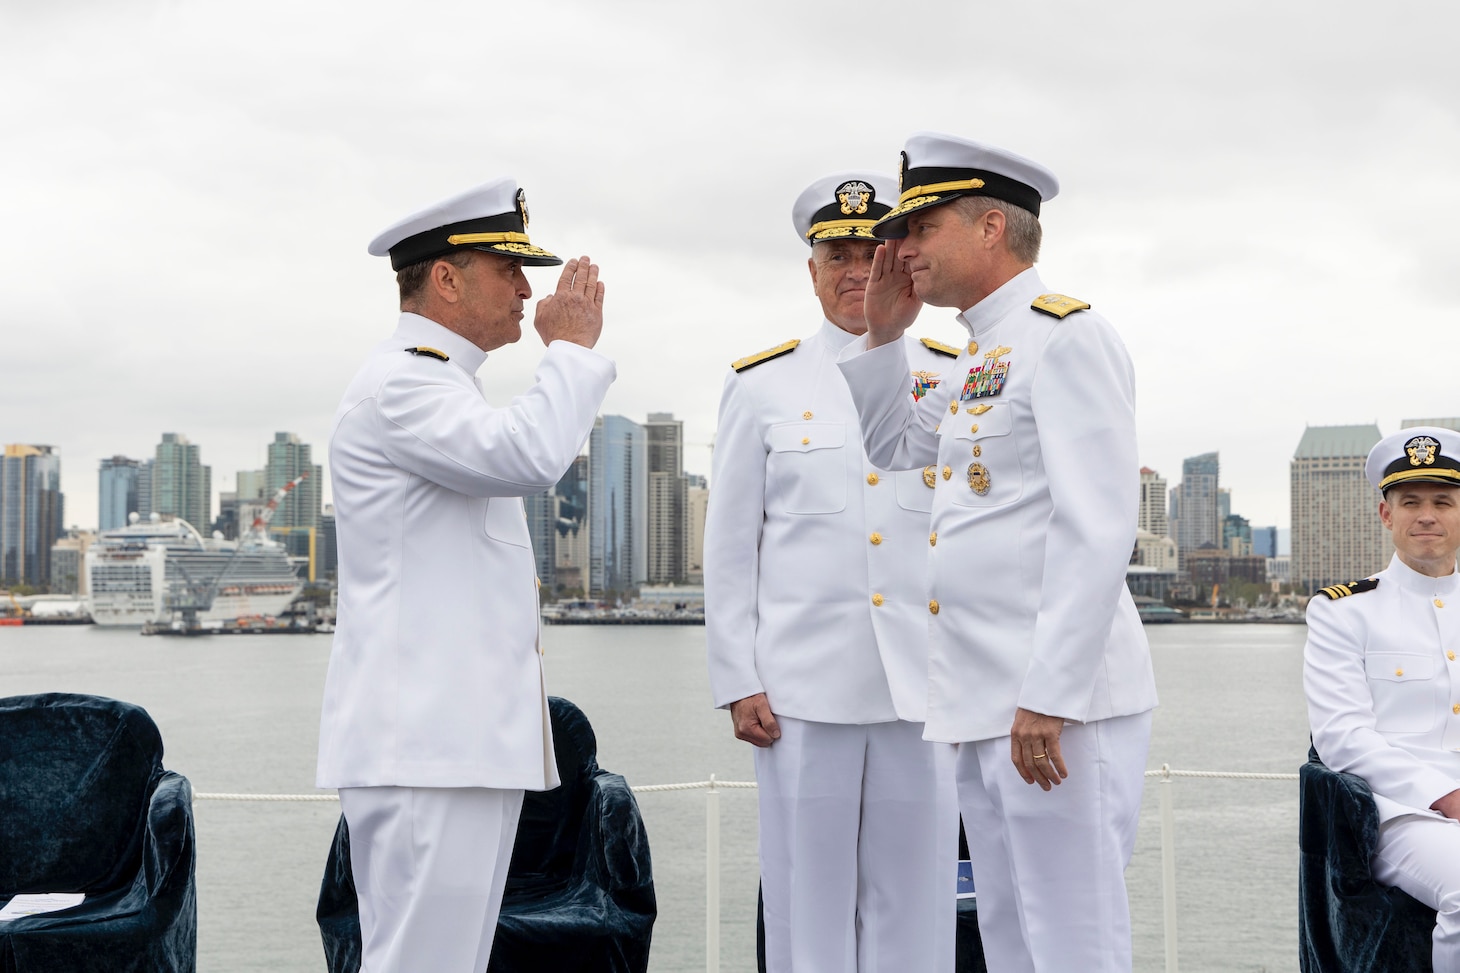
column 1261, row 196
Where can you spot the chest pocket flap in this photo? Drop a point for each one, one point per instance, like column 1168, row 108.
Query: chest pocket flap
column 807, row 437
column 806, row 467
column 995, row 422
column 1400, row 666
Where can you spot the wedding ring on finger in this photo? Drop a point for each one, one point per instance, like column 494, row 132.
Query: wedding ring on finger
column 1040, row 756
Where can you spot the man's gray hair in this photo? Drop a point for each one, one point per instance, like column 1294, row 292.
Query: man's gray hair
column 410, row 279
column 1021, row 227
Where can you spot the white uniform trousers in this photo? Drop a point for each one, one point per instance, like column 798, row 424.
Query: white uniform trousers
column 858, row 849
column 1421, row 855
column 429, row 864
column 1049, row 868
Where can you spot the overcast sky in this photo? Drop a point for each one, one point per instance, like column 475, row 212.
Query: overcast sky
column 1261, row 196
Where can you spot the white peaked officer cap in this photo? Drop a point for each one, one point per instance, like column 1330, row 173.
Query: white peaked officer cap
column 842, row 206
column 1419, row 454
column 491, row 218
column 937, row 168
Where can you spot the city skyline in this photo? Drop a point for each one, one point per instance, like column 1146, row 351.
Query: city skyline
column 83, row 493
column 262, row 147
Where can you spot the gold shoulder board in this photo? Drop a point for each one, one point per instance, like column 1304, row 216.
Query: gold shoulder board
column 429, row 352
column 750, row 361
column 1335, row 591
column 940, row 348
column 1058, row 305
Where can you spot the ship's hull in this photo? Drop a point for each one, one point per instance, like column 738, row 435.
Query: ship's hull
column 140, row 575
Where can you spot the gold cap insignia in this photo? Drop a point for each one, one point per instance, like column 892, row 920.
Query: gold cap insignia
column 854, row 197
column 1421, row 450
column 522, row 206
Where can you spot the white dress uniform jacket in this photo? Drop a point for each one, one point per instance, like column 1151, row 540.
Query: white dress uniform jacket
column 1028, row 575
column 1383, row 698
column 815, row 560
column 435, row 678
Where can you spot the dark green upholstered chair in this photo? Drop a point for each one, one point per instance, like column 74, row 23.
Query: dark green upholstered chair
column 1348, row 922
column 580, row 889
column 85, row 806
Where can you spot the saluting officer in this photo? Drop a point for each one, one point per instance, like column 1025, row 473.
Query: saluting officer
column 1383, row 680
column 1039, row 669
column 435, row 719
column 814, row 597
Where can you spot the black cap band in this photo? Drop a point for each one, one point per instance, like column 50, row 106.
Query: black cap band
column 504, row 228
column 926, row 180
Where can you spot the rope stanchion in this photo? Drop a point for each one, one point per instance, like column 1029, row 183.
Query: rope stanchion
column 712, row 839
column 704, row 785
column 276, row 798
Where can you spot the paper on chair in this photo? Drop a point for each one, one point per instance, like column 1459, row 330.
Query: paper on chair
column 965, row 880
column 30, row 905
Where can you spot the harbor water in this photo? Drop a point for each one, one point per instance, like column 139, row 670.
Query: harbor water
column 241, row 715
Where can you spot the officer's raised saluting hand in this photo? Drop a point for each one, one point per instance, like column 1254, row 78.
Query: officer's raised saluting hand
column 891, row 305
column 573, row 312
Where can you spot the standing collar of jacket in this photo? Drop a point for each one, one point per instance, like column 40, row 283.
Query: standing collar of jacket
column 1017, row 291
column 414, row 330
column 834, row 337
column 1411, row 580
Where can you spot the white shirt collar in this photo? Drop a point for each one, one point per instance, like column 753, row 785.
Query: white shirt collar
column 1017, row 291
column 414, row 330
column 835, row 337
column 1411, row 580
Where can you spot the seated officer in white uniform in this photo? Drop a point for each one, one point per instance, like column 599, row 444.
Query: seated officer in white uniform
column 435, row 718
column 1039, row 669
column 815, row 600
column 1383, row 681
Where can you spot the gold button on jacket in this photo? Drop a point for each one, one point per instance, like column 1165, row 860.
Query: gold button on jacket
column 933, row 606
column 876, row 538
column 871, row 479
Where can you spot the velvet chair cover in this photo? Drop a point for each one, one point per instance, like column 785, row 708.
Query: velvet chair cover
column 1346, row 920
column 580, row 890
column 85, row 806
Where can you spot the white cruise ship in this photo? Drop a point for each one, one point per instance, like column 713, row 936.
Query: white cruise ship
column 143, row 572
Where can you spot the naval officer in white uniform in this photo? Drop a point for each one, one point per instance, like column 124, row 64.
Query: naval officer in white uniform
column 815, row 601
column 1039, row 669
column 1383, row 680
column 435, row 717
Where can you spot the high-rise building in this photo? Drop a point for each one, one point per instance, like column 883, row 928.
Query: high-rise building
column 617, row 506
column 145, row 506
column 666, row 541
column 32, row 512
column 1196, row 524
column 1152, row 514
column 571, row 550
column 697, row 502
column 1236, row 535
column 1337, row 535
column 328, row 544
column 542, row 527
column 181, row 485
column 252, row 485
column 1450, row 423
column 68, row 563
column 298, row 513
column 117, row 491
column 1265, row 541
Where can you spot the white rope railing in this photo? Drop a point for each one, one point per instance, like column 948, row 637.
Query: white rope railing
column 1165, row 774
